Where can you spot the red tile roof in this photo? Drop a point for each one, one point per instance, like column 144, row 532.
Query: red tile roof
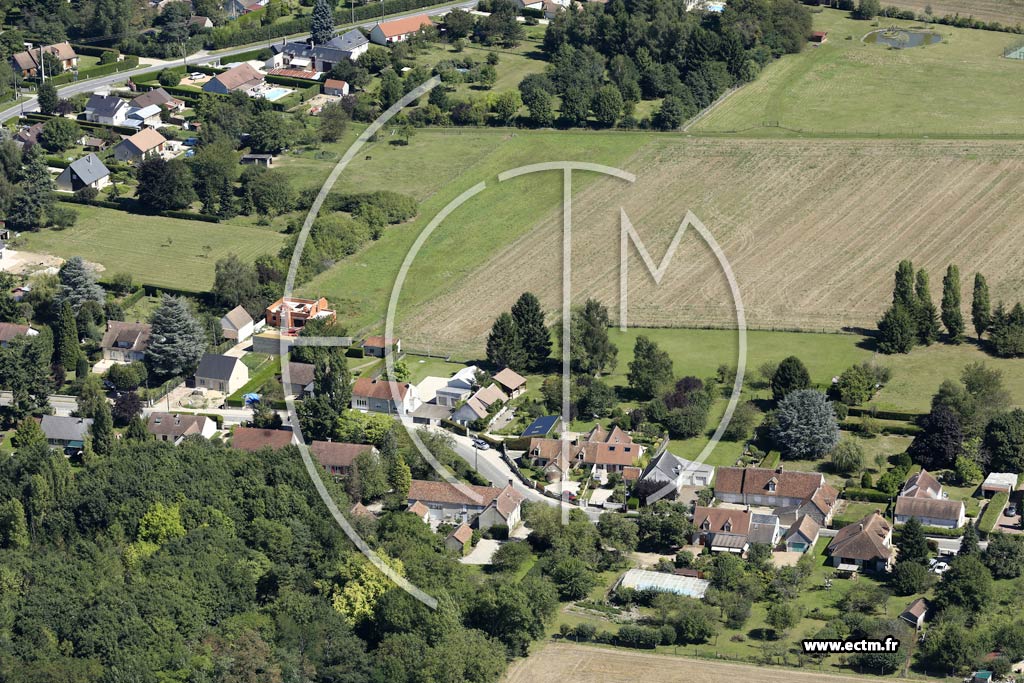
column 379, row 388
column 252, row 439
column 863, row 540
column 755, row 480
column 718, row 519
column 405, row 25
column 336, row 454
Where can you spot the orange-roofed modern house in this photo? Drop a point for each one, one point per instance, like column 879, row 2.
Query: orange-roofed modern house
column 389, row 32
column 291, row 313
column 253, row 439
column 479, row 506
column 378, row 346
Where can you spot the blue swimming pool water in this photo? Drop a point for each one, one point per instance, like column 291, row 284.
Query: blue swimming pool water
column 274, row 94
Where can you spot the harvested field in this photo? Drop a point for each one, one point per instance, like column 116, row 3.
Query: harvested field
column 567, row 663
column 813, row 230
column 1007, row 12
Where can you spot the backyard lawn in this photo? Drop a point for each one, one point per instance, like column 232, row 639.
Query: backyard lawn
column 159, row 251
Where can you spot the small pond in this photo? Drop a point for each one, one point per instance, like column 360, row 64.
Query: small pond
column 901, row 38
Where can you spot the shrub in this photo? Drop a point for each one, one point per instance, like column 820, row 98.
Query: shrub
column 168, row 78
column 641, row 637
column 87, row 194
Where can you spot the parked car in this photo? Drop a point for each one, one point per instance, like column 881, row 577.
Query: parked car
column 480, row 444
column 1011, row 510
column 940, row 568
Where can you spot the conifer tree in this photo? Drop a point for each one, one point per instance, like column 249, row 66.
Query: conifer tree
column 68, row 351
column 926, row 313
column 178, row 340
column 534, row 335
column 952, row 316
column 504, row 348
column 322, row 29
column 981, row 306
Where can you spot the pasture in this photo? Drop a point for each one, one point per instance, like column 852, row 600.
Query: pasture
column 957, row 87
column 164, row 252
column 1007, row 12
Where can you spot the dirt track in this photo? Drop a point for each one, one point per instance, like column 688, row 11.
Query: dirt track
column 567, row 663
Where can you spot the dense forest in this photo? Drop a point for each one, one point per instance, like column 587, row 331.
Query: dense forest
column 200, row 563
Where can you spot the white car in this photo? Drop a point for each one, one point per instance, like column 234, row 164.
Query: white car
column 940, row 568
column 481, row 444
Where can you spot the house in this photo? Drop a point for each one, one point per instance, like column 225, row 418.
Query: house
column 511, row 382
column 225, row 374
column 998, row 482
column 948, row 514
column 421, row 511
column 666, row 474
column 528, row 4
column 106, row 109
column 383, row 396
column 241, row 78
column 66, row 433
column 306, row 56
column 550, row 8
column 291, row 313
column 482, row 405
column 236, row 324
column 802, row 535
column 460, row 540
column 922, row 485
column 602, row 450
column 458, row 388
column 863, row 545
column 264, row 160
column 915, row 613
column 801, row 492
column 378, row 347
column 9, row 331
column 300, row 380
column 722, row 529
column 252, row 439
column 360, row 510
column 28, row 136
column 764, row 530
column 173, row 428
column 158, row 97
column 337, row 458
column 125, row 342
column 819, row 37
column 26, row 64
column 481, row 506
column 148, row 116
column 335, row 87
column 141, row 145
column 397, row 30
column 87, row 171
column 200, row 22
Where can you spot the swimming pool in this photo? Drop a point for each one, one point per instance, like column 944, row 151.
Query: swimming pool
column 274, row 94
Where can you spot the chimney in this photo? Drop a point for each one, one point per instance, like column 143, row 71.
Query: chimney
column 510, row 482
column 778, row 470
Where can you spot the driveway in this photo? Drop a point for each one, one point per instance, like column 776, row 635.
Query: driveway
column 482, row 553
column 600, row 496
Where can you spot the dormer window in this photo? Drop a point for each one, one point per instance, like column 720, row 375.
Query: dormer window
column 771, row 485
column 705, row 525
column 727, row 526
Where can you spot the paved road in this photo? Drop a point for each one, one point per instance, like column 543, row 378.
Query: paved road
column 62, row 405
column 490, row 465
column 202, row 57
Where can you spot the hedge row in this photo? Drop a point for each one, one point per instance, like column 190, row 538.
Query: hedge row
column 884, row 414
column 92, row 50
column 866, row 495
column 992, row 511
column 35, row 116
column 771, row 461
column 133, row 298
column 942, row 531
column 126, row 64
column 291, row 82
column 184, row 215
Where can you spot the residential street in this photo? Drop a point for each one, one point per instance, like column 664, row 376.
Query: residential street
column 201, row 57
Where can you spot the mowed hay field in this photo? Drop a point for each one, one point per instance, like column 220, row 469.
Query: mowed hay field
column 570, row 663
column 960, row 86
column 813, row 230
column 1007, row 12
column 164, row 252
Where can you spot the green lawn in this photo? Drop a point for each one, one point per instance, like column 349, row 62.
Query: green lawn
column 165, row 252
column 436, row 167
column 848, row 86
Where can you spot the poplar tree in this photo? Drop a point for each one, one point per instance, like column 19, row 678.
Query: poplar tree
column 952, row 317
column 981, row 306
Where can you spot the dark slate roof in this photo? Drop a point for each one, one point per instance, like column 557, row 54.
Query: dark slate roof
column 349, row 40
column 216, row 367
column 89, row 169
column 105, row 105
column 65, row 428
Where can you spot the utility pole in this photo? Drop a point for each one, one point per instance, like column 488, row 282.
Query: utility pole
column 42, row 65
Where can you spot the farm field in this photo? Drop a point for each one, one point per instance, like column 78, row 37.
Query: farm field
column 846, row 86
column 813, row 230
column 159, row 251
column 1007, row 12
